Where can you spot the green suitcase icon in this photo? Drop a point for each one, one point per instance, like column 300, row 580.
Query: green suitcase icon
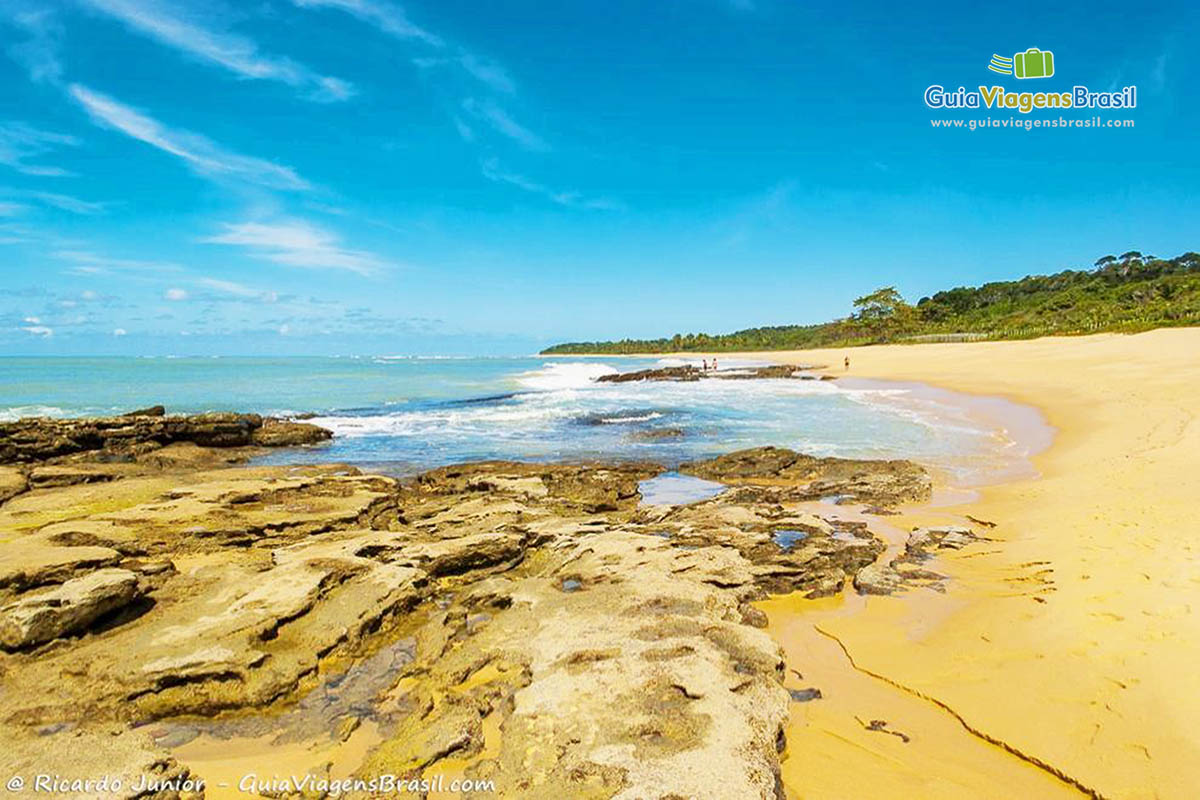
column 1033, row 63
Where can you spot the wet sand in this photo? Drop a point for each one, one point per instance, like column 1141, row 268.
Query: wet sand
column 1062, row 659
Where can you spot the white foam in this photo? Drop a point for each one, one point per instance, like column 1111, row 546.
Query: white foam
column 14, row 413
column 569, row 375
column 621, row 420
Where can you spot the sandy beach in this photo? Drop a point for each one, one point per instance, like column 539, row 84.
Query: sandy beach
column 1062, row 659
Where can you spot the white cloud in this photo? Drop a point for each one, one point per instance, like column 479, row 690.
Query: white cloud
column 464, row 130
column 488, row 72
column 388, row 17
column 297, row 244
column 39, row 53
column 89, row 263
column 392, row 20
column 67, row 203
column 498, row 119
column 20, row 142
column 119, row 332
column 166, row 24
column 493, row 171
column 33, row 320
column 39, row 330
column 201, row 154
column 229, row 287
column 239, row 290
column 175, row 294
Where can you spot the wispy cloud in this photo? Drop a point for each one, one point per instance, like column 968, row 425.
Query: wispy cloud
column 63, row 202
column 175, row 294
column 392, row 20
column 20, row 142
column 90, row 263
column 488, row 72
column 165, row 24
column 465, row 132
column 66, row 202
column 488, row 112
column 388, row 17
column 296, row 243
column 239, row 290
column 202, row 155
column 494, row 172
column 38, row 53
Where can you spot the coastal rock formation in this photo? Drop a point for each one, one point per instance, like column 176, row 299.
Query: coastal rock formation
column 684, row 373
column 126, row 437
column 688, row 373
column 66, row 609
column 905, row 570
column 529, row 624
column 12, row 482
column 801, row 477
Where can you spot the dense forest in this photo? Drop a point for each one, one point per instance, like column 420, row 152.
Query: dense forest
column 1130, row 292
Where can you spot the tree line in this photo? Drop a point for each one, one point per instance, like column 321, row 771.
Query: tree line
column 1129, row 292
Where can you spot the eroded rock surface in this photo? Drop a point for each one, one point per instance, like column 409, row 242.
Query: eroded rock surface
column 39, row 617
column 906, row 570
column 537, row 626
column 801, row 477
column 125, row 437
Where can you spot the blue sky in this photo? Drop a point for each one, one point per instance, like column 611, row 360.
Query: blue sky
column 361, row 176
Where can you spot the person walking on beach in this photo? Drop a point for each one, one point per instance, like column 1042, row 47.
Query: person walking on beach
column 705, row 362
column 714, row 364
column 847, row 363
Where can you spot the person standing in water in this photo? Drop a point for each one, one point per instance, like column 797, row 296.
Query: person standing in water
column 705, row 362
column 714, row 364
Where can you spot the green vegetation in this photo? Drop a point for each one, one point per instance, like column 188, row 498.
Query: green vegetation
column 1130, row 292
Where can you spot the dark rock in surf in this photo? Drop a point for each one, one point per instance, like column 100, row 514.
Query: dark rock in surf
column 152, row 411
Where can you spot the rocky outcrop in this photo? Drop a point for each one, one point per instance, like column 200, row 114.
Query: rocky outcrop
column 905, row 570
column 689, row 373
column 530, row 624
column 801, row 477
column 685, row 373
column 12, row 482
column 67, row 609
column 126, row 437
column 922, row 541
column 152, row 411
column 281, row 433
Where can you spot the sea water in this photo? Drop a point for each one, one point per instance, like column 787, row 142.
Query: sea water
column 402, row 414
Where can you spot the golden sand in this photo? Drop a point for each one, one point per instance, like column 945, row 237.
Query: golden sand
column 1065, row 657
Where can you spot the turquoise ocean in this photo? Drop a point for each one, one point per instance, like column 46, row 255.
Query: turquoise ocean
column 401, row 414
